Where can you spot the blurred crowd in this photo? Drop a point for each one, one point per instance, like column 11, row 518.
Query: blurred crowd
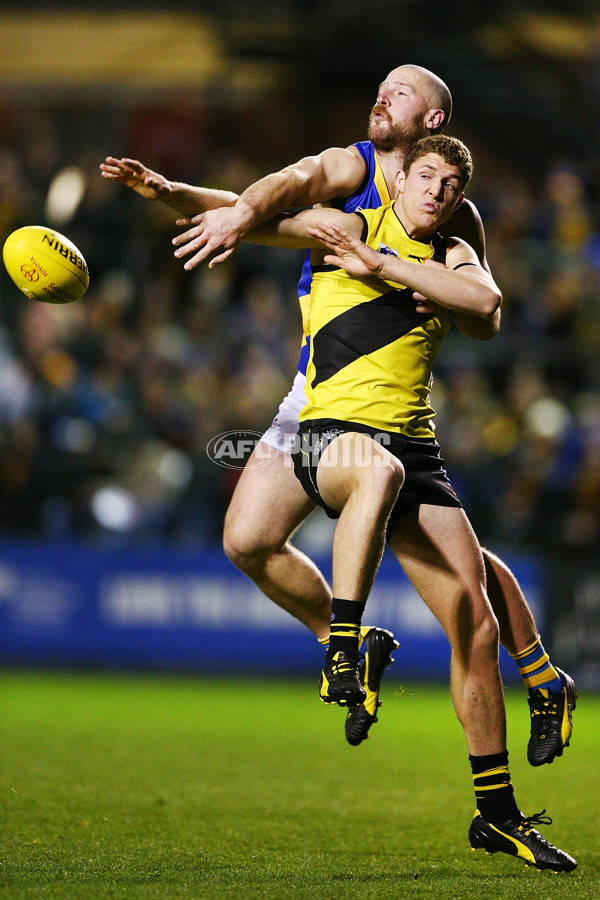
column 107, row 405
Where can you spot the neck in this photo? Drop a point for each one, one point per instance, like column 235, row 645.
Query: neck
column 391, row 162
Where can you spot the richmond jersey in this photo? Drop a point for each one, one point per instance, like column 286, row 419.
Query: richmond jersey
column 372, row 353
column 372, row 193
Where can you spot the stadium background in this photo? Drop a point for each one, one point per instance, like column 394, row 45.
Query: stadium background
column 110, row 510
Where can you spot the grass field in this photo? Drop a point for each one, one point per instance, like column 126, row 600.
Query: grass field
column 165, row 787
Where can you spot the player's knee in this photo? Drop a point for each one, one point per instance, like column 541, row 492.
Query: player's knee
column 245, row 549
column 487, row 633
column 476, row 632
column 382, row 482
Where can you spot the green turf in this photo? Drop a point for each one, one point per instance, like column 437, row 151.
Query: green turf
column 157, row 787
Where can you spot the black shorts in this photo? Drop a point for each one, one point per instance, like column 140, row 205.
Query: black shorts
column 425, row 479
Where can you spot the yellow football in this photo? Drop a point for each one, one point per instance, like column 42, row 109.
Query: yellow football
column 45, row 265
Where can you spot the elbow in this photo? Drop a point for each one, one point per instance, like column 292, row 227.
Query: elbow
column 490, row 306
column 490, row 332
column 300, row 176
column 491, row 326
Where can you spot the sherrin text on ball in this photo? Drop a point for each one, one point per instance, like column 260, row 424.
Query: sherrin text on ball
column 45, row 265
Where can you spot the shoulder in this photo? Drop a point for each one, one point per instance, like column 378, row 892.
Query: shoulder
column 467, row 213
column 378, row 216
column 363, row 156
column 363, row 149
column 350, row 156
column 343, row 169
column 460, row 251
column 465, row 222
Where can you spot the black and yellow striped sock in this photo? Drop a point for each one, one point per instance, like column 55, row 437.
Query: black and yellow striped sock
column 536, row 670
column 344, row 633
column 494, row 792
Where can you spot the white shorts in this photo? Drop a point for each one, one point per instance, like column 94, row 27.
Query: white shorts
column 284, row 428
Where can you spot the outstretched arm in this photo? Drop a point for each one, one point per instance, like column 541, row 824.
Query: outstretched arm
column 217, row 234
column 461, row 286
column 300, row 230
column 184, row 198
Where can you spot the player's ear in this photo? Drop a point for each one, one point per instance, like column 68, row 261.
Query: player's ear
column 400, row 178
column 434, row 119
column 459, row 200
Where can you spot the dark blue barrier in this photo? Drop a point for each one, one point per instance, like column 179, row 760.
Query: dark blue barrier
column 71, row 604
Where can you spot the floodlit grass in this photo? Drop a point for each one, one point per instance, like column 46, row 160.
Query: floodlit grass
column 160, row 787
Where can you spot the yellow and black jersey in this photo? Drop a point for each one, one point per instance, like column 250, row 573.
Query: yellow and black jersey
column 369, row 195
column 372, row 353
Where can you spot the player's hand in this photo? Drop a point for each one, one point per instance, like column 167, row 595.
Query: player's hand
column 216, row 231
column 136, row 176
column 423, row 304
column 347, row 252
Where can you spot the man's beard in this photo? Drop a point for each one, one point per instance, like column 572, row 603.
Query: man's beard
column 386, row 136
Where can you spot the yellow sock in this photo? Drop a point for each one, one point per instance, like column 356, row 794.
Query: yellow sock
column 536, row 670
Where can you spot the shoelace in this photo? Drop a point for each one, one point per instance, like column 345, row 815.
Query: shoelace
column 527, row 825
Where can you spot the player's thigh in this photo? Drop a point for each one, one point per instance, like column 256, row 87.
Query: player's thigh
column 355, row 461
column 268, row 503
column 439, row 551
